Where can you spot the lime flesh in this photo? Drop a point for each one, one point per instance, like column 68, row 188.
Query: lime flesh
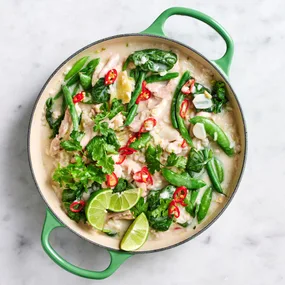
column 136, row 235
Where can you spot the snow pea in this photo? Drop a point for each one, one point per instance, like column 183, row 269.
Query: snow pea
column 190, row 201
column 158, row 78
column 76, row 67
column 205, row 204
column 183, row 179
column 131, row 115
column 137, row 91
column 211, row 129
column 141, row 142
column 71, row 107
column 185, row 77
column 180, row 121
column 219, row 169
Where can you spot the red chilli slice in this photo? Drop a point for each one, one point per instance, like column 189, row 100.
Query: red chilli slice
column 78, row 97
column 173, row 210
column 184, row 143
column 184, row 108
column 121, row 159
column 77, row 206
column 179, row 195
column 188, row 86
column 147, row 125
column 111, row 77
column 126, row 150
column 112, row 180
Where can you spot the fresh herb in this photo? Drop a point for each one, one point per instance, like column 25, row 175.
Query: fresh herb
column 196, row 161
column 68, row 195
column 177, row 161
column 116, row 107
column 123, row 184
column 73, row 144
column 98, row 150
column 219, row 97
column 152, row 156
column 85, row 80
column 154, row 60
column 77, row 176
column 100, row 92
column 140, row 207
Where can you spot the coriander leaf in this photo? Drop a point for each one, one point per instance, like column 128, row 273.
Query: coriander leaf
column 74, row 143
column 140, row 207
column 107, row 164
column 152, row 156
column 116, row 107
column 113, row 140
column 196, row 161
column 68, row 195
column 123, row 184
column 177, row 161
column 100, row 92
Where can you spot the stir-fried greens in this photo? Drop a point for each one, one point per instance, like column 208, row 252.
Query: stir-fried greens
column 111, row 148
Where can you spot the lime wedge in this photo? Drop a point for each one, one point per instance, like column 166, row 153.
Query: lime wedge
column 123, row 201
column 136, row 235
column 96, row 207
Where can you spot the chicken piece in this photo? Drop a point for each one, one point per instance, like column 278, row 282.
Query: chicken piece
column 54, row 146
column 112, row 63
column 126, row 215
column 88, row 125
column 117, row 122
column 163, row 91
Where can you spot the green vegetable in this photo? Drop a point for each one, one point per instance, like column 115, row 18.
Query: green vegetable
column 180, row 121
column 140, row 207
column 76, row 67
column 152, row 157
column 109, row 233
column 185, row 77
column 177, row 161
column 91, row 66
column 211, row 128
column 141, row 141
column 215, row 174
column 159, row 78
column 122, row 185
column 205, row 204
column 183, row 179
column 85, row 80
column 53, row 124
column 219, row 98
column 75, row 90
column 68, row 195
column 98, row 150
column 74, row 143
column 77, row 217
column 154, row 60
column 219, row 169
column 197, row 161
column 71, row 107
column 131, row 115
column 78, row 176
column 190, row 201
column 137, row 90
column 100, row 92
column 116, row 107
column 134, row 73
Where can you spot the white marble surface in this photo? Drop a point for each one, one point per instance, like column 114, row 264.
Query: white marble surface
column 246, row 245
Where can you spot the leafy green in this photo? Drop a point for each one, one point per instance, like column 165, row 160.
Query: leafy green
column 68, row 195
column 123, row 184
column 78, row 176
column 100, row 92
column 196, row 161
column 85, row 80
column 91, row 66
column 154, row 60
column 98, row 150
column 152, row 156
column 73, row 144
column 218, row 97
column 116, row 107
column 140, row 207
column 177, row 161
column 77, row 217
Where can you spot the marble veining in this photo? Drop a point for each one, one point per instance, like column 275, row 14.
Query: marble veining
column 246, row 245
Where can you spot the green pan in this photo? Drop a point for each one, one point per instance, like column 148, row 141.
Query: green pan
column 55, row 217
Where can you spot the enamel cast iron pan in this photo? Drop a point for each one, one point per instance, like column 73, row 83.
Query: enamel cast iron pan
column 38, row 141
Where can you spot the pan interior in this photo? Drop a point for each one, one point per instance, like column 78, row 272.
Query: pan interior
column 42, row 165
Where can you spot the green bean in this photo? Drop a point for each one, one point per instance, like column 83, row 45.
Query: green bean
column 185, row 77
column 159, row 78
column 71, row 107
column 205, row 204
column 131, row 115
column 190, row 201
column 213, row 130
column 137, row 91
column 76, row 67
column 180, row 121
column 183, row 179
column 141, row 142
column 91, row 66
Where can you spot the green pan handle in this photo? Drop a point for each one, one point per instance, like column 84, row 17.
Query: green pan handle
column 117, row 258
column 156, row 28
